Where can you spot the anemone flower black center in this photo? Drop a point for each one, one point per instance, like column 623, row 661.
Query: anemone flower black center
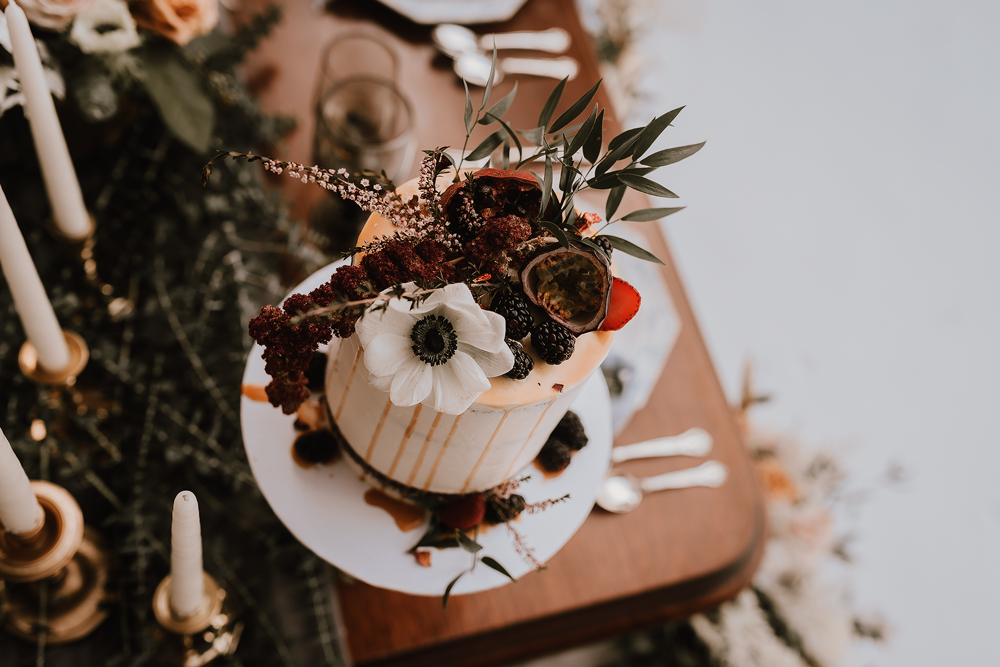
column 434, row 340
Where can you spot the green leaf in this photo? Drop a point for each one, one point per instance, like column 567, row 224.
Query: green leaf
column 583, row 135
column 593, row 246
column 178, row 92
column 500, row 108
column 623, row 137
column 551, row 104
column 630, row 248
column 447, row 591
column 511, row 133
column 614, row 201
column 648, row 214
column 643, row 184
column 470, row 120
column 605, row 182
column 556, row 231
column 671, row 155
column 566, row 176
column 652, row 131
column 488, row 145
column 592, row 147
column 567, row 116
column 546, row 186
column 534, row 135
column 489, row 562
column 506, row 152
column 613, row 156
column 468, row 543
column 489, row 81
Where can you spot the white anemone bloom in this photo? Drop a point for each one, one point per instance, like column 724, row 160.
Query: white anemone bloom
column 441, row 352
column 105, row 27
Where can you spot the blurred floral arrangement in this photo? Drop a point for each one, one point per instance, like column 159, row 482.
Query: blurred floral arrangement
column 104, row 58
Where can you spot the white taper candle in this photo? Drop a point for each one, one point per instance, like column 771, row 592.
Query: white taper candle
column 68, row 209
column 19, row 509
column 37, row 316
column 187, row 579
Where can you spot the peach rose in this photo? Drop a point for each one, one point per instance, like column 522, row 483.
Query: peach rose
column 53, row 14
column 776, row 482
column 177, row 20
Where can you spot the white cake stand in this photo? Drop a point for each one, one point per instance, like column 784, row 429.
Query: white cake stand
column 324, row 506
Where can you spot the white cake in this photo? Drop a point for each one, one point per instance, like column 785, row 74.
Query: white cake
column 418, row 449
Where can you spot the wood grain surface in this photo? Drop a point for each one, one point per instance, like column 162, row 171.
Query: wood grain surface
column 679, row 552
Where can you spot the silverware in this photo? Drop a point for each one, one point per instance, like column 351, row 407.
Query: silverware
column 623, row 493
column 474, row 67
column 692, row 442
column 453, row 39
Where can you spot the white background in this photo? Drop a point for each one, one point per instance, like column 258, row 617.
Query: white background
column 843, row 232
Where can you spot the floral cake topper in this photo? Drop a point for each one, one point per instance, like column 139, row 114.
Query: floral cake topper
column 498, row 272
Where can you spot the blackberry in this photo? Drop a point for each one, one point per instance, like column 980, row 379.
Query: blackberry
column 502, row 510
column 317, row 446
column 570, row 430
column 553, row 342
column 513, row 307
column 555, row 455
column 605, row 243
column 523, row 363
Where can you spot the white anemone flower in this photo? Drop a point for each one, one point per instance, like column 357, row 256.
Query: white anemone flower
column 441, row 352
column 105, row 27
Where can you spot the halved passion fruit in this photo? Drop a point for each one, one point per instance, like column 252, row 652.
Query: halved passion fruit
column 572, row 284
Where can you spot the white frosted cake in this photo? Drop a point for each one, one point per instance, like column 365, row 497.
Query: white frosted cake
column 419, row 449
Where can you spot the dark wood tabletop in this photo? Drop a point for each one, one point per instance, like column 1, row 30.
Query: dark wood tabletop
column 680, row 552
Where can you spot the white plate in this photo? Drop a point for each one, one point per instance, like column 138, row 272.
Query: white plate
column 324, row 506
column 429, row 12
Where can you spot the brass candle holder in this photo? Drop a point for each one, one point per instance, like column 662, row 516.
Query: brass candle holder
column 55, row 574
column 211, row 632
column 62, row 237
column 79, row 355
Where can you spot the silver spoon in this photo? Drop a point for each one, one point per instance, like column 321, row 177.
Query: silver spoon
column 623, row 493
column 474, row 67
column 692, row 442
column 453, row 39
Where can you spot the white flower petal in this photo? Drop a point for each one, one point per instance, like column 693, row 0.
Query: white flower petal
column 385, row 354
column 411, row 384
column 457, row 384
column 479, row 330
column 493, row 364
column 383, row 383
column 382, row 322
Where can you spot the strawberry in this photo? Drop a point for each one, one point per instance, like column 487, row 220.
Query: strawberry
column 625, row 302
column 463, row 513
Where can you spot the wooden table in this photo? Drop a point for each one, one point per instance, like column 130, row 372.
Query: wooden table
column 680, row 552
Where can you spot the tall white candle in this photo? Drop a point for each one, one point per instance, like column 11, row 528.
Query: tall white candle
column 68, row 209
column 19, row 509
column 37, row 316
column 187, row 579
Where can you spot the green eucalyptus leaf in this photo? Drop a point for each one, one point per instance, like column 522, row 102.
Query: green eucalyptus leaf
column 566, row 176
column 623, row 137
column 491, row 563
column 630, row 248
column 671, row 155
column 546, row 186
column 556, row 231
column 470, row 120
column 649, row 214
column 534, row 135
column 489, row 81
column 643, row 184
column 575, row 110
column 615, row 155
column 593, row 246
column 447, row 591
column 614, row 201
column 605, row 181
column 581, row 137
column 511, row 133
column 468, row 543
column 551, row 104
column 652, row 131
column 500, row 108
column 488, row 145
column 592, row 147
column 506, row 152
column 571, row 215
column 178, row 93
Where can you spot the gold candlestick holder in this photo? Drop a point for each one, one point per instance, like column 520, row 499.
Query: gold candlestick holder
column 55, row 575
column 211, row 632
column 79, row 355
column 62, row 237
